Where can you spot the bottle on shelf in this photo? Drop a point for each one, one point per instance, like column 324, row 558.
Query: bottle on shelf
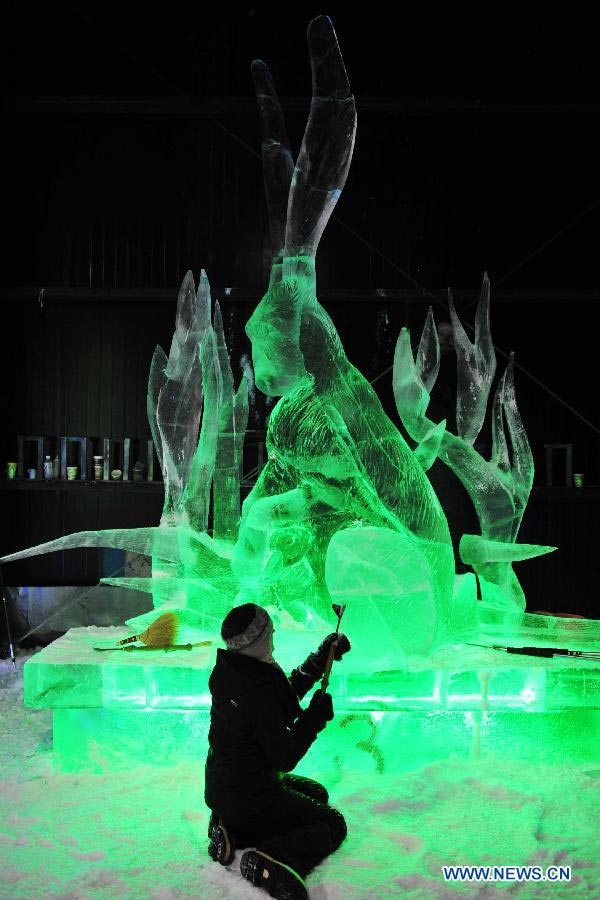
column 48, row 468
column 56, row 467
column 98, row 468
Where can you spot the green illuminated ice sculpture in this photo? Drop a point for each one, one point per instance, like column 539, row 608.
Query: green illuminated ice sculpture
column 499, row 488
column 343, row 511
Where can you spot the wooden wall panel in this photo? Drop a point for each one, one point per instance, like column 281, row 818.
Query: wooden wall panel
column 37, row 516
column 79, row 369
column 567, row 579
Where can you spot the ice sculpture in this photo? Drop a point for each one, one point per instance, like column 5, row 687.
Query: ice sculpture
column 499, row 488
column 198, row 369
column 175, row 391
column 343, row 510
column 191, row 572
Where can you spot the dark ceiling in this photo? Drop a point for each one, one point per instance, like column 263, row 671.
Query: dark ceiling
column 402, row 51
column 477, row 146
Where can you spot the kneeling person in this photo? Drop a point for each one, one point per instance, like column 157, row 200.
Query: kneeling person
column 258, row 734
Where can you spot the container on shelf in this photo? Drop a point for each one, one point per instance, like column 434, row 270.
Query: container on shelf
column 48, row 468
column 98, row 468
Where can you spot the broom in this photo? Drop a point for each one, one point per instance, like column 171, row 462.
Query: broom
column 162, row 634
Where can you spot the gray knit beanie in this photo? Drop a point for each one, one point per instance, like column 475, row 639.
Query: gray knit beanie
column 247, row 629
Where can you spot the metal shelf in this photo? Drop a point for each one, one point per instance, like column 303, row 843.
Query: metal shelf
column 59, row 484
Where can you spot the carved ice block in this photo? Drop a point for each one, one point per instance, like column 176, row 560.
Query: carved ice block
column 117, row 709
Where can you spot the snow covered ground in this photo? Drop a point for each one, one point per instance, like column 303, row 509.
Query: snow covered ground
column 143, row 834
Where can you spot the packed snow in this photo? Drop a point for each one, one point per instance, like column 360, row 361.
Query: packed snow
column 142, row 834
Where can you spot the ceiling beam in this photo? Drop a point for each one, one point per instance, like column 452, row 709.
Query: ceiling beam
column 166, row 105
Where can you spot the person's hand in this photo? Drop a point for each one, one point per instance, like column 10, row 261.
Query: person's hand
column 313, row 667
column 343, row 645
column 320, row 708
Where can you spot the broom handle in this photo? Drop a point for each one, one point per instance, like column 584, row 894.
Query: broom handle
column 332, row 649
column 135, row 637
column 327, row 673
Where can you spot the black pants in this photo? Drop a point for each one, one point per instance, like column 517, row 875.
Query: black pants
column 298, row 829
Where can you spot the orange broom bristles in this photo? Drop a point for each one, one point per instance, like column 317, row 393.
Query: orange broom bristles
column 162, row 632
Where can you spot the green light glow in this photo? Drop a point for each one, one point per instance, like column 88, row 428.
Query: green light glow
column 154, row 708
column 342, row 512
column 112, row 739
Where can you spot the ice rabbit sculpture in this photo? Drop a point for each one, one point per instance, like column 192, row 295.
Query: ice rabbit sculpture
column 343, row 511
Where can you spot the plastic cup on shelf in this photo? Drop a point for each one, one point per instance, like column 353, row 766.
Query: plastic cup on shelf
column 11, row 470
column 71, row 473
column 32, row 474
column 578, row 479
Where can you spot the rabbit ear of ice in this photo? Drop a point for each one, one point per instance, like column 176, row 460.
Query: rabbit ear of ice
column 326, row 151
column 475, row 367
column 277, row 160
column 428, row 354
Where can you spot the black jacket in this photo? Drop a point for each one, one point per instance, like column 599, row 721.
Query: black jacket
column 257, row 731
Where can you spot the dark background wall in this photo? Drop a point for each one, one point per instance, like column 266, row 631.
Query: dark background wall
column 131, row 157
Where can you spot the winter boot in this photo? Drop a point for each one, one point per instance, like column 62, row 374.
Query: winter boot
column 221, row 845
column 275, row 877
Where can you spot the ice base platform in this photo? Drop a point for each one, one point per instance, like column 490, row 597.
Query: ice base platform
column 117, row 709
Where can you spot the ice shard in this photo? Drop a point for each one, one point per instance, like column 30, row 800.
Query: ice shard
column 180, row 548
column 196, row 495
column 233, row 420
column 428, row 354
column 476, row 364
column 178, row 405
column 499, row 488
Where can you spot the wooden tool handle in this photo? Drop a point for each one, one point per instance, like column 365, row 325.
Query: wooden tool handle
column 327, row 672
column 134, row 637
